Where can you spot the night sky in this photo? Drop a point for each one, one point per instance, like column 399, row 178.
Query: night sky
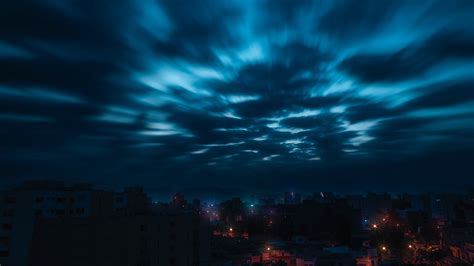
column 239, row 95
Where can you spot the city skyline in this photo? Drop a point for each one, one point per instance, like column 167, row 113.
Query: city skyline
column 250, row 96
column 51, row 223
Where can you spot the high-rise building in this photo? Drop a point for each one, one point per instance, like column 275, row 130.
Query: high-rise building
column 21, row 207
column 48, row 223
column 164, row 238
column 179, row 200
column 292, row 198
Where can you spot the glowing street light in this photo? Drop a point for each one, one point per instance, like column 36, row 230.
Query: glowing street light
column 374, row 226
column 410, row 246
column 268, row 248
column 384, row 248
column 231, row 229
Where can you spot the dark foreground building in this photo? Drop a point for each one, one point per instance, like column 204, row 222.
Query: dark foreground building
column 140, row 240
column 48, row 224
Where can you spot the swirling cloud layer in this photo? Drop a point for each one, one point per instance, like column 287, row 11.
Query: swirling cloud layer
column 261, row 95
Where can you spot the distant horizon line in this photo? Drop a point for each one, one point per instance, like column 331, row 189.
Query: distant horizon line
column 226, row 192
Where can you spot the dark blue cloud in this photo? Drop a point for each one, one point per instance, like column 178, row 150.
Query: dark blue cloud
column 263, row 94
column 415, row 60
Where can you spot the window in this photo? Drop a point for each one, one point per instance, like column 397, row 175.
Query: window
column 173, row 236
column 7, row 227
column 9, row 213
column 5, row 242
column 10, row 200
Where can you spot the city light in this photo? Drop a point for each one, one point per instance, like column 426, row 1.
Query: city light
column 384, row 248
column 374, row 226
